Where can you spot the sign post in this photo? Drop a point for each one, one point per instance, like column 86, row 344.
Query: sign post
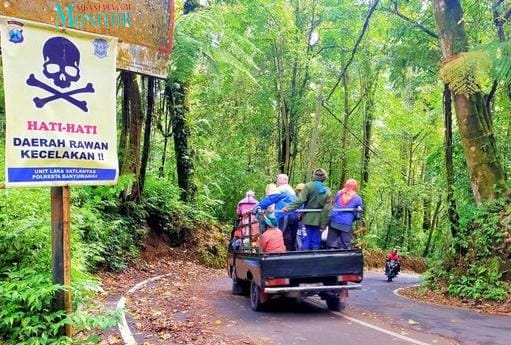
column 61, row 250
column 60, row 123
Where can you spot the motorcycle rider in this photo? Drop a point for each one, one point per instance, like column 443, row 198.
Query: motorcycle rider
column 393, row 255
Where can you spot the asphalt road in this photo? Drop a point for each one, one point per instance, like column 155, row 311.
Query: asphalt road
column 374, row 316
column 465, row 326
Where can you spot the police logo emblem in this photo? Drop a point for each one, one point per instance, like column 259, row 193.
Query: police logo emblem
column 15, row 31
column 100, row 47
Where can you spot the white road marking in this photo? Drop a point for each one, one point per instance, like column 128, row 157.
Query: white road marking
column 365, row 324
column 124, row 329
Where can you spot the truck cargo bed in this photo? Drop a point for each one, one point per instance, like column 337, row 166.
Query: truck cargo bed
column 298, row 265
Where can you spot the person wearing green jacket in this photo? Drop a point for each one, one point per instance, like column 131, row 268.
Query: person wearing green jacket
column 314, row 195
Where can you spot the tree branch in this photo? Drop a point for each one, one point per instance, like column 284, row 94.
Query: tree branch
column 356, row 105
column 490, row 95
column 497, row 4
column 418, row 25
column 354, row 50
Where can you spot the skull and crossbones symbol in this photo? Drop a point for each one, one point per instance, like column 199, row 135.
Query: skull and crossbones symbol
column 62, row 65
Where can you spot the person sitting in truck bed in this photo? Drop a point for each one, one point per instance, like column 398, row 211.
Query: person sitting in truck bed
column 271, row 241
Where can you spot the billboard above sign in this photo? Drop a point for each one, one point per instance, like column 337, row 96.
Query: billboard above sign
column 144, row 27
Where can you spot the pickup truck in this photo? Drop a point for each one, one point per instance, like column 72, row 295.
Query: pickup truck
column 297, row 274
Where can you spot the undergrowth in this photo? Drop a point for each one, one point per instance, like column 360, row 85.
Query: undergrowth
column 474, row 263
column 106, row 234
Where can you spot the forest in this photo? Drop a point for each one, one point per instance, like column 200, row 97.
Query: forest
column 410, row 98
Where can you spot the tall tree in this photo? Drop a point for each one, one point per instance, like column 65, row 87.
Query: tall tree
column 474, row 117
column 178, row 106
column 203, row 39
column 147, row 131
column 452, row 213
column 131, row 134
column 176, row 91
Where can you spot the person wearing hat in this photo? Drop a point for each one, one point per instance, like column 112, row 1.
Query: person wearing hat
column 271, row 241
column 314, row 195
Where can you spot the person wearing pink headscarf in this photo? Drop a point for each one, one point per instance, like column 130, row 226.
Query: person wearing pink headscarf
column 340, row 231
column 244, row 211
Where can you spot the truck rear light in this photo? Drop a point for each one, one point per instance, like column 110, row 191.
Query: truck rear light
column 277, row 282
column 350, row 278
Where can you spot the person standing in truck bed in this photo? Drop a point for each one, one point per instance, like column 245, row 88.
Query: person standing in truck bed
column 340, row 231
column 314, row 195
column 244, row 209
column 281, row 195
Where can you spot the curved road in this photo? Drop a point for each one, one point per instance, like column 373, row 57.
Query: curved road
column 375, row 315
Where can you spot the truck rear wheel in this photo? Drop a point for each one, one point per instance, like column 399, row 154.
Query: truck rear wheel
column 239, row 287
column 334, row 303
column 256, row 297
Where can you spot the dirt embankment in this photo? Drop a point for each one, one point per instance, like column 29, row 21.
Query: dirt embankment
column 488, row 307
column 375, row 259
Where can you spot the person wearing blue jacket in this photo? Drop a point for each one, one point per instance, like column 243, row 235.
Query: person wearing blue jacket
column 340, row 232
column 288, row 222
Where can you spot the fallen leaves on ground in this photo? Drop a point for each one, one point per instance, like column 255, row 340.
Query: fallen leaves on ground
column 488, row 307
column 176, row 309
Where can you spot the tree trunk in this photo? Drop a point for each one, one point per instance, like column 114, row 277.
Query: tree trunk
column 131, row 134
column 125, row 112
column 498, row 21
column 474, row 120
column 452, row 213
column 314, row 139
column 165, row 128
column 426, row 219
column 367, row 126
column 432, row 228
column 344, row 136
column 147, row 132
column 184, row 156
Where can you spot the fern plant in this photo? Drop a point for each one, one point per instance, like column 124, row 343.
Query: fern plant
column 209, row 36
column 475, row 71
column 468, row 73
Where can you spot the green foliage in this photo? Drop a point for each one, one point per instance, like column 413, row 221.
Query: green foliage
column 110, row 230
column 183, row 224
column 25, row 316
column 468, row 73
column 26, row 287
column 473, row 268
column 207, row 35
column 480, row 281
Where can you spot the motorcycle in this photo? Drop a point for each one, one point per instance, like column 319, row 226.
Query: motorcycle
column 391, row 269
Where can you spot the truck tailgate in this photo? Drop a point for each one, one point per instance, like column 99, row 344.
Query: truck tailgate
column 312, row 264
